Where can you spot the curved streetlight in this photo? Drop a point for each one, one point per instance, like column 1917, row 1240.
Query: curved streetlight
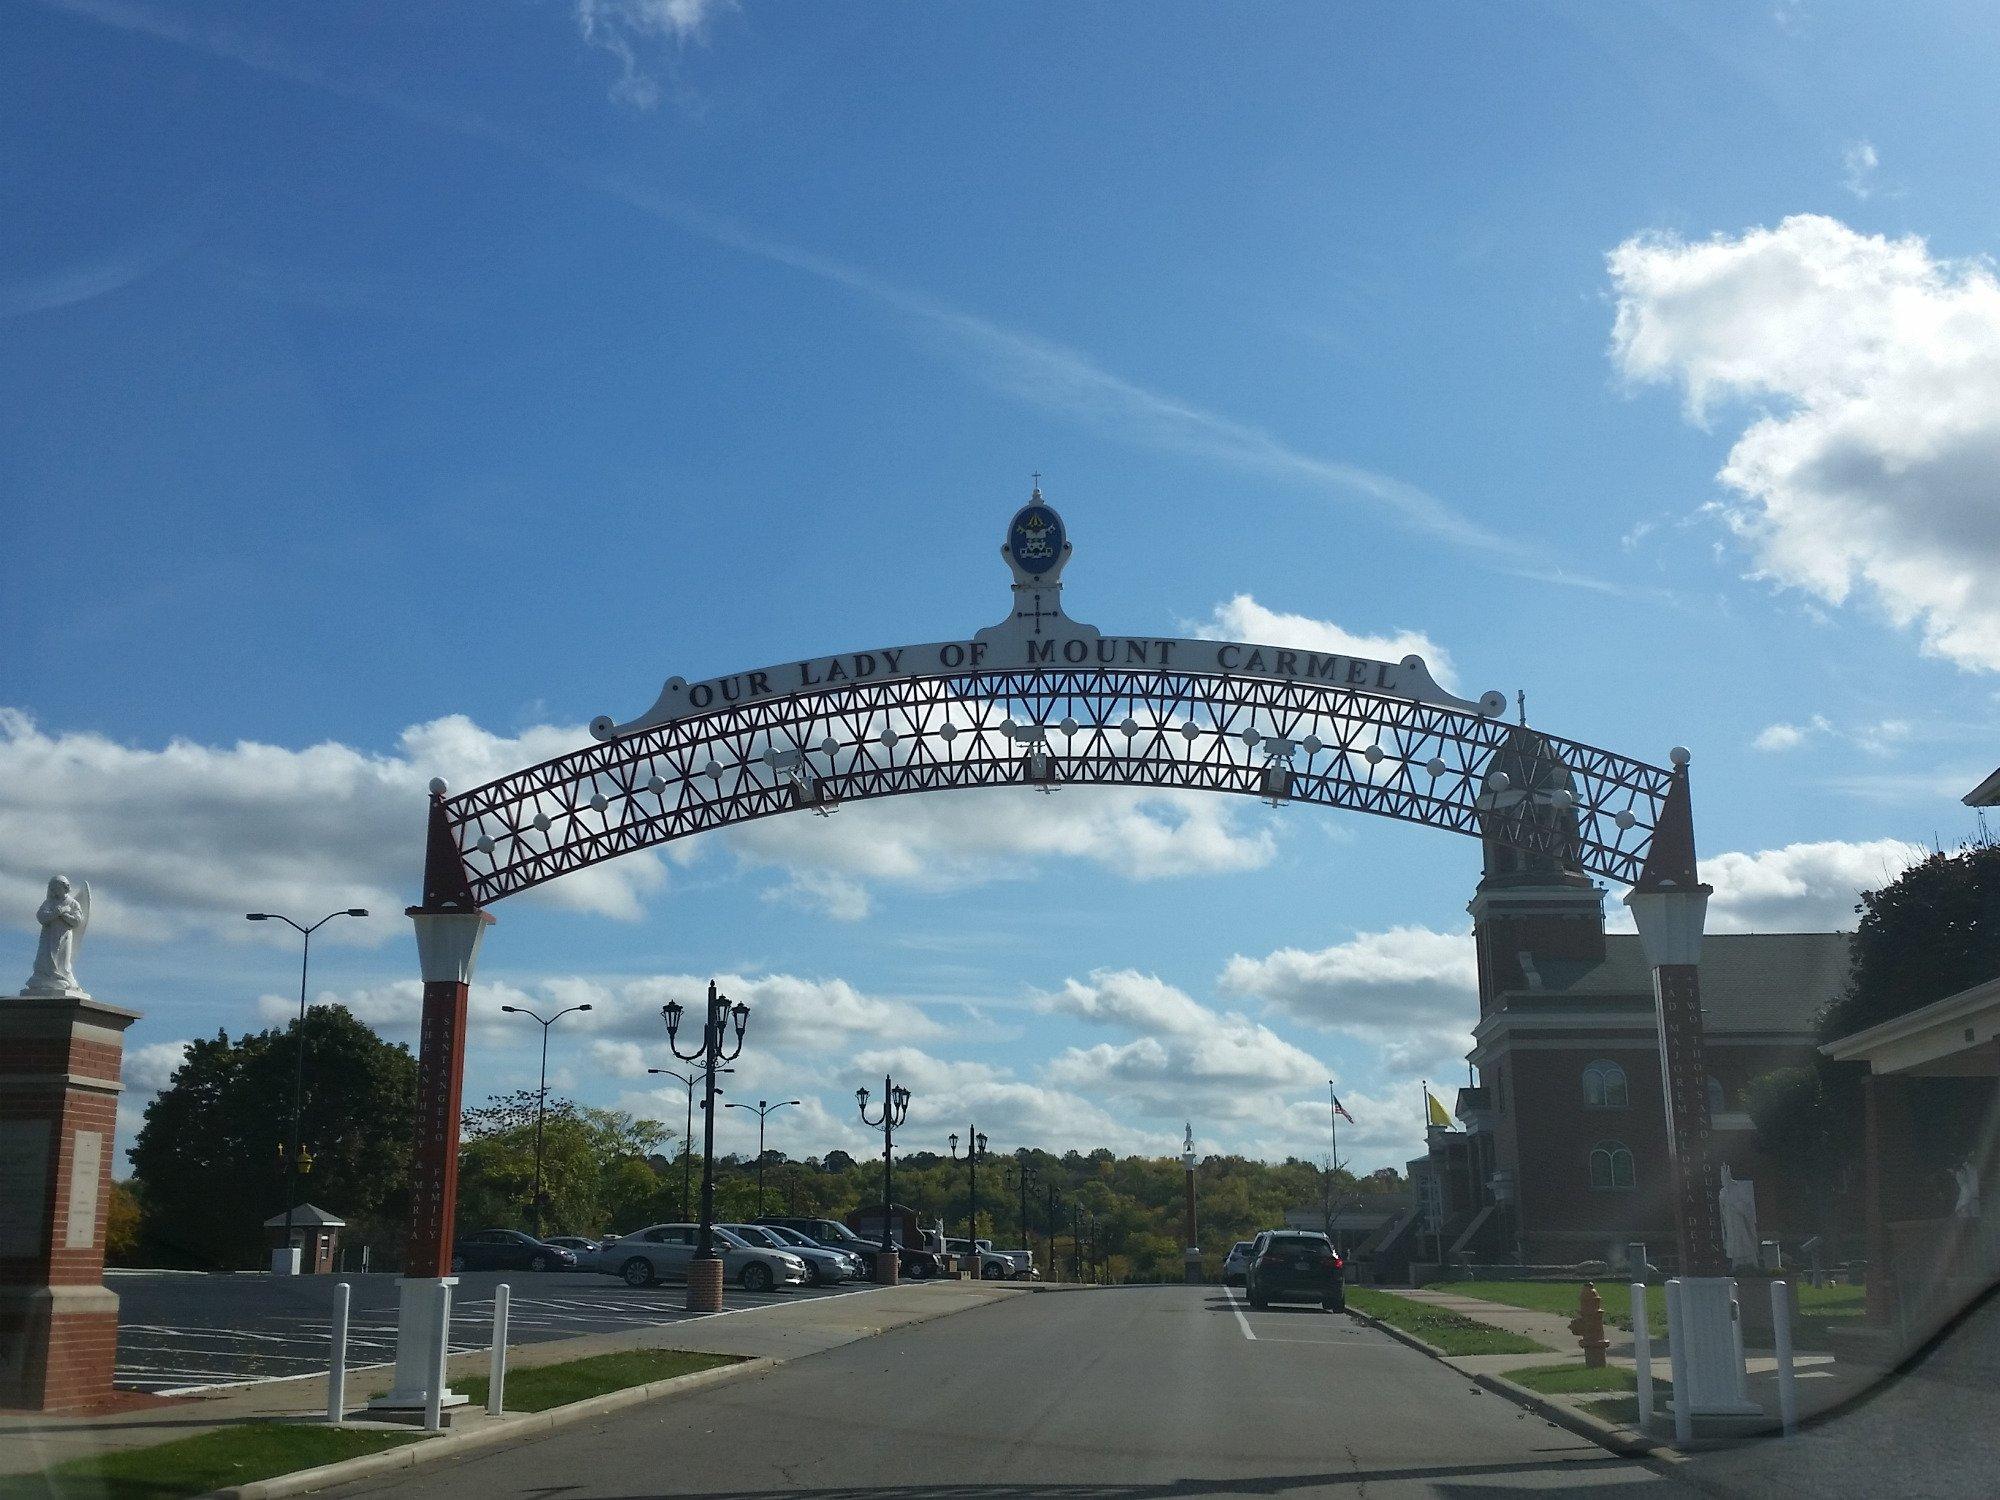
column 541, row 1095
column 687, row 1141
column 1024, row 1178
column 764, row 1111
column 705, row 1274
column 975, row 1147
column 895, row 1109
column 296, row 1157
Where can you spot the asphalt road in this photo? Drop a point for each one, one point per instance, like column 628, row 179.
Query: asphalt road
column 1127, row 1393
column 182, row 1332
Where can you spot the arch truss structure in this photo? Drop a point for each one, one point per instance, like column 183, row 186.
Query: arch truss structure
column 1040, row 700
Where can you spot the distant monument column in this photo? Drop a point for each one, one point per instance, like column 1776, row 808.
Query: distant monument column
column 60, row 1053
column 1191, row 1256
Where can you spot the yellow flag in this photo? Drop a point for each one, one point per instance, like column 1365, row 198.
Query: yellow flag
column 1438, row 1116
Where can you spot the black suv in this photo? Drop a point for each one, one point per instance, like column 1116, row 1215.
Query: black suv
column 915, row 1264
column 1291, row 1265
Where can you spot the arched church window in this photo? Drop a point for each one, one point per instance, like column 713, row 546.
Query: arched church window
column 1610, row 1166
column 1604, row 1086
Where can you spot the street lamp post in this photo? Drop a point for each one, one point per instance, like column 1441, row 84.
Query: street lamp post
column 687, row 1140
column 895, row 1109
column 975, row 1147
column 299, row 1065
column 705, row 1274
column 1054, row 1226
column 764, row 1112
column 541, row 1096
column 1024, row 1179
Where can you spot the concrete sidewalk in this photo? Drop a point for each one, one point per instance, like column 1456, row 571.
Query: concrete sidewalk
column 31, row 1442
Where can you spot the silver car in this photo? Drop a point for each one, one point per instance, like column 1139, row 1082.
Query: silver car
column 823, row 1267
column 663, row 1252
column 853, row 1267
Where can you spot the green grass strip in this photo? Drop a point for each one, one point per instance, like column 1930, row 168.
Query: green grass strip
column 196, row 1465
column 1567, row 1380
column 1452, row 1332
column 1820, row 1307
column 539, row 1387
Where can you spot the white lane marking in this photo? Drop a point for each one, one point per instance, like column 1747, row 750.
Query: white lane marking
column 1243, row 1322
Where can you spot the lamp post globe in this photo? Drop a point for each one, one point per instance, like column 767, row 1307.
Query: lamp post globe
column 895, row 1109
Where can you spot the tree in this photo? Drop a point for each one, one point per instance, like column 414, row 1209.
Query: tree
column 121, row 1226
column 594, row 1167
column 210, row 1157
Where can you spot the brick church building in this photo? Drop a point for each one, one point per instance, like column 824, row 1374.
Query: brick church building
column 1562, row 1154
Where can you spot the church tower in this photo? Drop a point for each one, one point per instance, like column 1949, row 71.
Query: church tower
column 1532, row 905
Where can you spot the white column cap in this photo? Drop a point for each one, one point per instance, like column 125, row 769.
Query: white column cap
column 448, row 943
column 1670, row 919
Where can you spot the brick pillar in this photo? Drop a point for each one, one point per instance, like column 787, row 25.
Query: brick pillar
column 59, row 1086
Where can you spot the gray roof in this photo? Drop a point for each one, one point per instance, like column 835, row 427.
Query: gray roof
column 1750, row 981
column 305, row 1216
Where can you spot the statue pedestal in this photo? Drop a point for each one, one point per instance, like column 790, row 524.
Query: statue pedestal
column 59, row 1089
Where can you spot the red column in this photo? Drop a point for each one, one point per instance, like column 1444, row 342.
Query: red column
column 1690, row 1152
column 434, row 1166
column 59, row 1086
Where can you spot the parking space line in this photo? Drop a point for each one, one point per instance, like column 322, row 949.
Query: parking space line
column 1237, row 1308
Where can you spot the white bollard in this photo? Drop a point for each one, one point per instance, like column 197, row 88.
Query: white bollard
column 441, row 1326
column 1677, row 1363
column 336, row 1369
column 1781, row 1330
column 1736, row 1332
column 496, row 1372
column 1642, row 1355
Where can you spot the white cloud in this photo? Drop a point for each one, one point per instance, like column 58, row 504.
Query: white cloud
column 1801, row 887
column 1872, row 466
column 192, row 836
column 1244, row 619
column 1185, row 1058
column 1378, row 982
column 1775, row 737
column 627, row 28
column 1857, row 169
column 147, row 1070
column 948, row 1095
column 971, row 837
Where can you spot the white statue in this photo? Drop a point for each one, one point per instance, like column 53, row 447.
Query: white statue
column 1738, row 1201
column 64, row 917
column 1966, row 1175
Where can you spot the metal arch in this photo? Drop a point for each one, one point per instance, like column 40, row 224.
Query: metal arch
column 1288, row 740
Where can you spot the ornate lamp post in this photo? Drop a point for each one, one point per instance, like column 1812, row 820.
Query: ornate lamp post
column 975, row 1147
column 541, row 1097
column 1053, row 1224
column 297, row 1158
column 763, row 1113
column 895, row 1109
column 705, row 1273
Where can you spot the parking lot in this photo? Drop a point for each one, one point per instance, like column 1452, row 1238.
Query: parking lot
column 182, row 1332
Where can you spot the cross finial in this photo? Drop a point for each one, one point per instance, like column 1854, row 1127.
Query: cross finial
column 1521, row 704
column 1038, row 484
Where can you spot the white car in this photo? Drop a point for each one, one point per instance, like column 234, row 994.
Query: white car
column 1236, row 1264
column 993, row 1264
column 823, row 1267
column 663, row 1252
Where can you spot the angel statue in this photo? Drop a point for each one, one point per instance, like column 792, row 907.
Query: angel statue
column 63, row 916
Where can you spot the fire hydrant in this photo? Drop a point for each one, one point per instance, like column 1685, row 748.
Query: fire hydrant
column 1588, row 1326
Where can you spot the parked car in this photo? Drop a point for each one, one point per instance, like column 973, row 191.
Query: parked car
column 508, row 1250
column 914, row 1263
column 1288, row 1265
column 857, row 1265
column 1236, row 1264
column 993, row 1266
column 823, row 1267
column 663, row 1252
column 584, row 1250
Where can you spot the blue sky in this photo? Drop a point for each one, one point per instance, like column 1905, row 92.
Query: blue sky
column 386, row 393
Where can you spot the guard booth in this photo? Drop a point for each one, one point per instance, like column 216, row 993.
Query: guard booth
column 315, row 1239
